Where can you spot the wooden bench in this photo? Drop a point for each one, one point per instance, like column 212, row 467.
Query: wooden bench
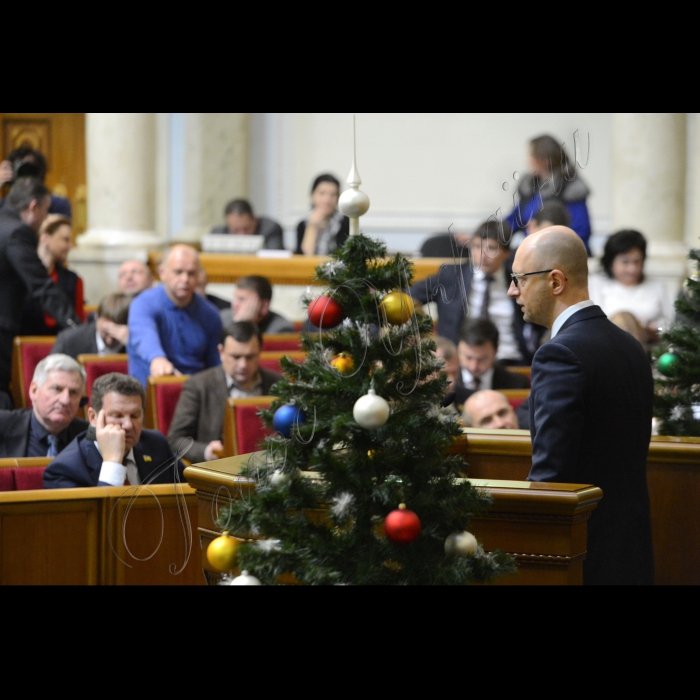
column 673, row 478
column 74, row 537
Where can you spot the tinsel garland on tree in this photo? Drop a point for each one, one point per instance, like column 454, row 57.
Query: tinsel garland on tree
column 677, row 389
column 323, row 493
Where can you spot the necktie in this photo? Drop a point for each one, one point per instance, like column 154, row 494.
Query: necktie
column 125, row 462
column 476, row 383
column 53, row 446
column 487, row 298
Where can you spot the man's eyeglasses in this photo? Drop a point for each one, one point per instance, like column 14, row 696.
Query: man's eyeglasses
column 516, row 278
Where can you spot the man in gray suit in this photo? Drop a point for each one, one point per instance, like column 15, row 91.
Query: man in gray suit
column 199, row 414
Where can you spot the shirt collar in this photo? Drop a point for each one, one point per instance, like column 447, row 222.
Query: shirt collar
column 564, row 316
column 101, row 347
column 231, row 383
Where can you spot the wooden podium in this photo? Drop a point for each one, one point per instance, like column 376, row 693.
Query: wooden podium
column 542, row 525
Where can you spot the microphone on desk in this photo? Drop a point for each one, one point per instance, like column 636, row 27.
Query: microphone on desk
column 449, row 399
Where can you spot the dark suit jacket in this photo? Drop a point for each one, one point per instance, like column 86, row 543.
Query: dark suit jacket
column 14, row 431
column 502, row 379
column 450, row 289
column 199, row 413
column 22, row 274
column 80, row 341
column 590, row 420
column 80, row 463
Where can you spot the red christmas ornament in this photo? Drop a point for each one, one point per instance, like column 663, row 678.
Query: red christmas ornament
column 325, row 312
column 402, row 526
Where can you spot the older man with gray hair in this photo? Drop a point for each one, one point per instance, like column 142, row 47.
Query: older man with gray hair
column 50, row 424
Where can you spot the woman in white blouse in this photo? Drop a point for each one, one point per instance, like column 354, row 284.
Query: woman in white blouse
column 622, row 286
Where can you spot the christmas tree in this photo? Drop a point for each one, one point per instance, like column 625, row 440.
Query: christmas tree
column 355, row 486
column 677, row 388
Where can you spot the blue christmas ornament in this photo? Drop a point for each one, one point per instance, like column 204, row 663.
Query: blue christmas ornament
column 285, row 417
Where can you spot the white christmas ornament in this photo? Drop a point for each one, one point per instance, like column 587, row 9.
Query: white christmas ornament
column 245, row 579
column 371, row 411
column 280, row 479
column 460, row 544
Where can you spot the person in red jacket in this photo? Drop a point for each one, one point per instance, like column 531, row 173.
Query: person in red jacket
column 55, row 241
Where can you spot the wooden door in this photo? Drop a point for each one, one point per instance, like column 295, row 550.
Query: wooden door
column 60, row 137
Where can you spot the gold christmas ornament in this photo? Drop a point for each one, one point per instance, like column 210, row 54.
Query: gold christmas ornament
column 398, row 308
column 221, row 552
column 343, row 363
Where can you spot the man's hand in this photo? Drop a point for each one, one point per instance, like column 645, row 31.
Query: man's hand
column 118, row 331
column 111, row 439
column 211, row 450
column 249, row 309
column 319, row 217
column 162, row 367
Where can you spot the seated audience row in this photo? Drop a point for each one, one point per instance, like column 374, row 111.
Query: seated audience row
column 325, row 229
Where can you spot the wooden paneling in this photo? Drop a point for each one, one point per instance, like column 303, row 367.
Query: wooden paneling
column 673, row 477
column 60, row 137
column 109, row 536
column 297, row 270
column 542, row 525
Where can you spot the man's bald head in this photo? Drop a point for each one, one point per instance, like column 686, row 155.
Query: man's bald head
column 489, row 409
column 550, row 271
column 178, row 272
column 559, row 248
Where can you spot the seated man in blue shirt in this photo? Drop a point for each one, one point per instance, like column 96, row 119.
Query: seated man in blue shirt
column 115, row 450
column 50, row 424
column 172, row 329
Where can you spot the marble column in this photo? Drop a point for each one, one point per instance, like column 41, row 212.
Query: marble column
column 121, row 183
column 692, row 224
column 649, row 188
column 215, row 170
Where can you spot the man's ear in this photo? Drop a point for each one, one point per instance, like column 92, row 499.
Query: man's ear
column 32, row 390
column 92, row 416
column 558, row 281
column 220, row 348
column 264, row 307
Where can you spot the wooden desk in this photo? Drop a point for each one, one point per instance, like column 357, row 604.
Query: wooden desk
column 99, row 536
column 542, row 525
column 298, row 270
column 673, row 478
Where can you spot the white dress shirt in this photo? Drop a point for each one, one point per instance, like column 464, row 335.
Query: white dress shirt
column 500, row 311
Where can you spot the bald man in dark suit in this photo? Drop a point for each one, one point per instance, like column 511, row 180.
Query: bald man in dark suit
column 590, row 404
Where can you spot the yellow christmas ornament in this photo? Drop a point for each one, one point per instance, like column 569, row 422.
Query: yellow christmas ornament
column 343, row 363
column 398, row 308
column 221, row 552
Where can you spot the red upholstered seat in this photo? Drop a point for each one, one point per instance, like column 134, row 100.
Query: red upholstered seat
column 96, row 366
column 270, row 359
column 162, row 394
column 281, row 341
column 7, row 479
column 28, row 351
column 28, row 478
column 250, row 431
column 515, row 396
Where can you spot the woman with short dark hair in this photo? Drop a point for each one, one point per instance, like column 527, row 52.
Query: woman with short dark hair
column 326, row 228
column 621, row 284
